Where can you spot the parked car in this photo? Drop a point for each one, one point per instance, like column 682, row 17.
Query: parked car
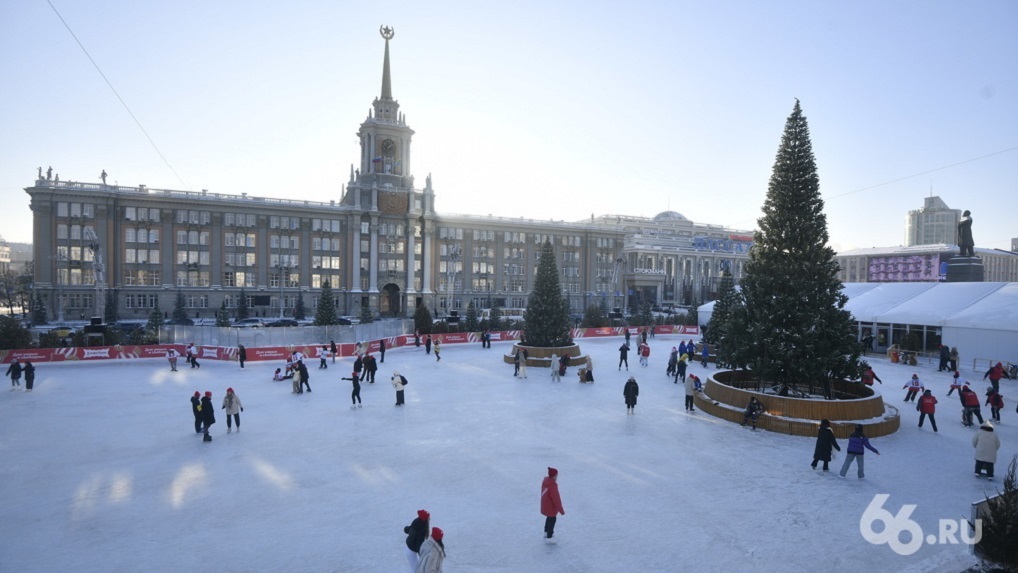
column 283, row 322
column 344, row 321
column 178, row 322
column 62, row 330
column 249, row 323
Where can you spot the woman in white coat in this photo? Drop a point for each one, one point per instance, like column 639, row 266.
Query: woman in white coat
column 432, row 553
column 398, row 382
column 986, row 442
column 233, row 407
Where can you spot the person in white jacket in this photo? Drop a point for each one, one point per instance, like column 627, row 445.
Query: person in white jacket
column 986, row 442
column 233, row 407
column 398, row 382
column 690, row 385
column 432, row 553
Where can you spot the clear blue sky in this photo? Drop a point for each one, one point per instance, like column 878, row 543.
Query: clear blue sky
column 535, row 109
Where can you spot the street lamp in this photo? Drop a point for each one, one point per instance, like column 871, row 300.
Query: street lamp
column 454, row 254
column 59, row 257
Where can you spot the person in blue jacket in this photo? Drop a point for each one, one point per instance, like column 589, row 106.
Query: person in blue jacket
column 856, row 444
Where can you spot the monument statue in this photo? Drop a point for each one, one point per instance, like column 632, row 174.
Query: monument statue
column 386, row 32
column 965, row 241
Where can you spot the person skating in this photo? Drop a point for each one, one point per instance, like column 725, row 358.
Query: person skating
column 241, row 354
column 690, row 388
column 914, row 387
column 645, row 354
column 624, row 354
column 399, row 383
column 192, row 356
column 986, row 442
column 196, row 410
column 630, row 391
column 370, row 367
column 14, row 371
column 956, row 383
column 995, row 373
column 355, row 396
column 29, row 372
column 673, row 358
column 381, row 351
column 332, row 350
column 993, row 399
column 323, row 358
column 857, row 444
column 826, row 443
column 869, row 376
column 304, row 377
column 171, row 357
column 233, row 407
column 563, row 365
column 208, row 416
column 416, row 533
column 554, row 368
column 432, row 553
column 704, row 354
column 680, row 371
column 551, row 504
column 438, row 350
column 971, row 402
column 753, row 410
column 427, row 344
column 927, row 406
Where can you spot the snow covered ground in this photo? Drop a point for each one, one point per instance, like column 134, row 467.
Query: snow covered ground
column 102, row 471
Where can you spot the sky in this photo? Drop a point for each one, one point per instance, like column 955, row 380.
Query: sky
column 102, row 471
column 539, row 110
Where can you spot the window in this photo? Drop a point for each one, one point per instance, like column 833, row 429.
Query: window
column 61, row 231
column 88, row 210
column 129, row 214
column 75, row 209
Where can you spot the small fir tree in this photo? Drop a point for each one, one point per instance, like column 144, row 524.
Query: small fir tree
column 38, row 310
column 299, row 311
column 646, row 316
column 546, row 321
column 422, row 319
column 471, row 321
column 366, row 315
column 495, row 322
column 112, row 315
column 594, row 317
column 180, row 307
column 13, row 335
column 999, row 542
column 717, row 328
column 794, row 329
column 223, row 316
column 325, row 314
column 155, row 322
column 242, row 308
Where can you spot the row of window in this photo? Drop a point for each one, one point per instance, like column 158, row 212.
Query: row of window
column 86, row 210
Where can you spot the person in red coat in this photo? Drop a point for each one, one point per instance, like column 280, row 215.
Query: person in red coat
column 927, row 407
column 551, row 504
column 996, row 403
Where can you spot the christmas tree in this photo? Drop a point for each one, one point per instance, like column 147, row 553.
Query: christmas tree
column 547, row 317
column 325, row 314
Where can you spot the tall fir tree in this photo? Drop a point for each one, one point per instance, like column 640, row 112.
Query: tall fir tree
column 546, row 321
column 792, row 326
column 223, row 316
column 299, row 311
column 716, row 326
column 423, row 322
column 471, row 319
column 325, row 314
column 242, row 308
column 180, row 307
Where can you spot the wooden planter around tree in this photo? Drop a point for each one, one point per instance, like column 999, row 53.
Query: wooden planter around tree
column 540, row 356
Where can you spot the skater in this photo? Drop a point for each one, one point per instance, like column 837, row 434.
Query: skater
column 171, row 357
column 971, row 402
column 432, row 553
column 551, row 504
column 645, row 355
column 631, row 390
column 417, row 338
column 690, row 387
column 381, row 351
column 856, row 444
column 563, row 364
column 993, row 399
column 682, row 348
column 822, row 452
column 438, row 350
column 192, row 356
column 516, row 361
column 233, row 407
column 696, row 382
column 277, row 376
column 521, row 368
column 627, row 337
column 14, row 371
column 955, row 358
column 914, row 388
column 589, row 377
column 995, row 373
column 680, row 371
column 332, row 350
column 370, row 367
column 358, row 366
column 624, row 354
column 398, row 382
column 869, row 376
column 555, row 377
column 196, row 410
column 29, row 371
column 956, row 384
column 324, row 358
column 986, row 442
column 945, row 356
column 208, row 416
column 304, row 377
column 927, row 406
column 753, row 410
column 241, row 354
column 416, row 533
column 704, row 354
column 673, row 358
column 355, row 396
column 427, row 344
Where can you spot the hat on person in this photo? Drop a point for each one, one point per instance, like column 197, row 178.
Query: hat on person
column 552, row 472
column 987, row 425
column 229, row 390
column 915, row 376
column 999, row 364
column 208, row 394
column 197, row 394
column 437, row 534
column 423, row 514
column 957, row 374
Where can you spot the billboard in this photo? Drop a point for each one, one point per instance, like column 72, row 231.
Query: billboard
column 908, row 268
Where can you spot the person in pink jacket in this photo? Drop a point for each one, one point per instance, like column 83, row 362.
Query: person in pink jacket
column 551, row 504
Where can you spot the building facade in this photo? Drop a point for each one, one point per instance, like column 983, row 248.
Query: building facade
column 921, row 263
column 381, row 246
column 934, row 224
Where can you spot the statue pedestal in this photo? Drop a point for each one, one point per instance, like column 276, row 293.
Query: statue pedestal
column 965, row 269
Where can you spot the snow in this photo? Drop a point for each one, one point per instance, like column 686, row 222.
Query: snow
column 102, row 471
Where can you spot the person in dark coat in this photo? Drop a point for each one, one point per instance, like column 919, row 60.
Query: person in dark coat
column 995, row 373
column 563, row 364
column 624, row 354
column 358, row 366
column 945, row 356
column 355, row 396
column 332, row 349
column 680, row 371
column 825, row 442
column 14, row 371
column 427, row 344
column 753, row 410
column 29, row 372
column 416, row 533
column 241, row 354
column 370, row 367
column 208, row 415
column 196, row 410
column 304, row 376
column 631, row 390
column 381, row 351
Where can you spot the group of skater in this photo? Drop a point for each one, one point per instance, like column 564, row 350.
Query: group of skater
column 15, row 370
column 205, row 413
column 190, row 357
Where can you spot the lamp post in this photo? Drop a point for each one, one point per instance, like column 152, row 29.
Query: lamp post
column 454, row 254
column 59, row 257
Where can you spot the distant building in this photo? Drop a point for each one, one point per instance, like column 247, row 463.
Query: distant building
column 920, row 263
column 934, row 224
column 5, row 256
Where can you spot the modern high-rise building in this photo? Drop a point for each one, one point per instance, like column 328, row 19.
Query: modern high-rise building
column 934, row 224
column 382, row 245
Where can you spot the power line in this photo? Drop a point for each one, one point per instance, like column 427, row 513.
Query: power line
column 122, row 102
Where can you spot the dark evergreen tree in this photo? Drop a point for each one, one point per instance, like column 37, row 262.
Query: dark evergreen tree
column 646, row 316
column 366, row 315
column 180, row 307
column 223, row 316
column 39, row 310
column 242, row 308
column 299, row 311
column 471, row 321
column 594, row 317
column 495, row 319
column 546, row 320
column 112, row 314
column 13, row 335
column 155, row 322
column 999, row 543
column 717, row 326
column 325, row 314
column 793, row 326
column 422, row 319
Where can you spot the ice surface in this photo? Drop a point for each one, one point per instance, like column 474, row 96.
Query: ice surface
column 102, row 471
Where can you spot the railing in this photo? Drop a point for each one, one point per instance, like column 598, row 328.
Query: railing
column 283, row 336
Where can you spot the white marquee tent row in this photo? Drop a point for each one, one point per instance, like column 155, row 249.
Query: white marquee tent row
column 980, row 319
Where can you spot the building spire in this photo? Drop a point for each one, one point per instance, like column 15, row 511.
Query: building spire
column 386, row 33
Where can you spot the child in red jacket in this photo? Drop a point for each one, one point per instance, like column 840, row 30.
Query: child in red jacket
column 927, row 406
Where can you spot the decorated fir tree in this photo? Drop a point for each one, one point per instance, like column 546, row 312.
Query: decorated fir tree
column 325, row 314
column 242, row 308
column 223, row 316
column 471, row 320
column 180, row 307
column 546, row 321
